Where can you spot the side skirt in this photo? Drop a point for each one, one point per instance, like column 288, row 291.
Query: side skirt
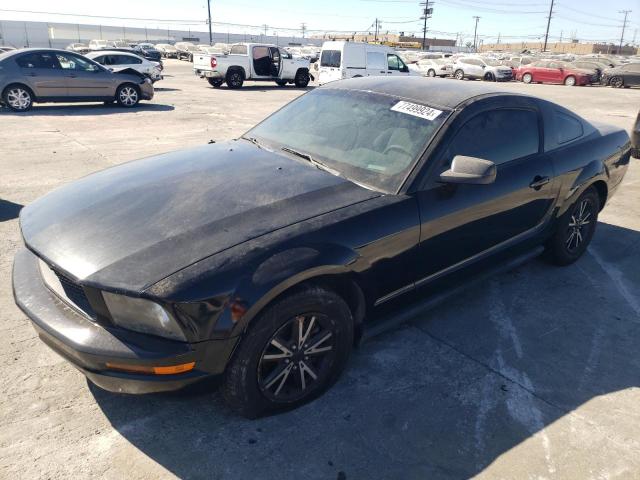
column 393, row 321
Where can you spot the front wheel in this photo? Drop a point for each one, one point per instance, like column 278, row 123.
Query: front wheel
column 302, row 79
column 18, row 98
column 489, row 77
column 459, row 75
column 570, row 81
column 127, row 95
column 616, row 82
column 293, row 352
column 215, row 82
column 431, row 73
column 527, row 78
column 575, row 229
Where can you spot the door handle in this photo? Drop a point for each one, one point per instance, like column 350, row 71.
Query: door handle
column 30, row 74
column 383, row 71
column 539, row 182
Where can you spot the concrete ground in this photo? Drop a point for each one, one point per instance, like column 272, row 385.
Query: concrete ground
column 533, row 375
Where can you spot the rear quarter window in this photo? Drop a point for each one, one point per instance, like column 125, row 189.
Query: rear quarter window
column 568, row 128
column 330, row 58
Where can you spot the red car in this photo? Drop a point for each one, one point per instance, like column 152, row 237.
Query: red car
column 553, row 72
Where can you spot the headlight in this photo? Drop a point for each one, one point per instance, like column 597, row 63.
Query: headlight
column 142, row 316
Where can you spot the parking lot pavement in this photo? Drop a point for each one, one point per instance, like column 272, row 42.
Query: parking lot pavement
column 532, row 375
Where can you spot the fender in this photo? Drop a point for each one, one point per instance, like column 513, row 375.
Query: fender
column 284, row 270
column 238, row 67
column 594, row 171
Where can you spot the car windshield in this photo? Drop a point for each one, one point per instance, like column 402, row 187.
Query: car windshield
column 368, row 138
column 493, row 63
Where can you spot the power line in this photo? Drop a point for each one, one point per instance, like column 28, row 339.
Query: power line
column 467, row 6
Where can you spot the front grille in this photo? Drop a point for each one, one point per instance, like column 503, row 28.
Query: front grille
column 67, row 290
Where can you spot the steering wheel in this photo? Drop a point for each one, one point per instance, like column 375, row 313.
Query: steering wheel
column 397, row 148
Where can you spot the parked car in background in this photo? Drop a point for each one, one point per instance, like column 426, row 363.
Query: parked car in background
column 149, row 52
column 99, row 44
column 340, row 60
column 167, row 51
column 186, row 51
column 252, row 61
column 117, row 61
column 622, row 76
column 81, row 48
column 34, row 75
column 120, row 44
column 481, row 69
column 595, row 67
column 222, row 266
column 438, row 67
column 553, row 72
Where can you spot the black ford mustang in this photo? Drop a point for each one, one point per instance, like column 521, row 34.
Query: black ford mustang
column 266, row 258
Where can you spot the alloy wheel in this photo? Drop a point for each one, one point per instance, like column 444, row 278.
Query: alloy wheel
column 297, row 358
column 579, row 225
column 570, row 81
column 616, row 82
column 460, row 75
column 19, row 98
column 526, row 78
column 128, row 96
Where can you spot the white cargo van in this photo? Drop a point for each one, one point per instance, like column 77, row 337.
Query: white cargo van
column 340, row 60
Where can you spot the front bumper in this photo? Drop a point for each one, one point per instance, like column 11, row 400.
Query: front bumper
column 89, row 345
column 146, row 90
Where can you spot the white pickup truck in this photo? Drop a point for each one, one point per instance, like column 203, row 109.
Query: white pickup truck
column 252, row 61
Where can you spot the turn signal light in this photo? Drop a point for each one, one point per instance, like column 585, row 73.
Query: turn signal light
column 169, row 370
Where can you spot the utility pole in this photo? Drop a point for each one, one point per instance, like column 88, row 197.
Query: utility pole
column 475, row 34
column 624, row 26
column 426, row 13
column 546, row 35
column 209, row 22
column 265, row 26
column 498, row 38
column 303, row 27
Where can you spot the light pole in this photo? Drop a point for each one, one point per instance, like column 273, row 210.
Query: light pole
column 475, row 34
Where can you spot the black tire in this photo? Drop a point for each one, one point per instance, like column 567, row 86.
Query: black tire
column 302, row 79
column 489, row 77
column 235, row 79
column 190, row 58
column 245, row 388
column 431, row 73
column 281, row 83
column 128, row 95
column 215, row 82
column 527, row 78
column 18, row 97
column 616, row 81
column 572, row 236
column 459, row 75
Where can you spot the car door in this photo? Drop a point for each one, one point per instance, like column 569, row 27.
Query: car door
column 261, row 61
column 43, row 74
column 85, row 79
column 288, row 69
column 376, row 64
column 555, row 72
column 395, row 65
column 461, row 222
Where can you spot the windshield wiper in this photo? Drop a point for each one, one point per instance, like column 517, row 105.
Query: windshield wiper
column 319, row 165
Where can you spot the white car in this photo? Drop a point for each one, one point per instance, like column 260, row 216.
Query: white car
column 340, row 60
column 480, row 68
column 433, row 67
column 98, row 44
column 117, row 61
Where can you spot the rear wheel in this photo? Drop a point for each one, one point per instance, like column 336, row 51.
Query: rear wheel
column 616, row 81
column 431, row 73
column 459, row 75
column 215, row 82
column 235, row 79
column 281, row 83
column 575, row 229
column 128, row 95
column 489, row 77
column 18, row 98
column 527, row 78
column 302, row 79
column 570, row 81
column 293, row 352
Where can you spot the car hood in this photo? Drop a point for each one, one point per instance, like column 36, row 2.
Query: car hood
column 129, row 226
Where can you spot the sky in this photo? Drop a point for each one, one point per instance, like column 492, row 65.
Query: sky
column 512, row 20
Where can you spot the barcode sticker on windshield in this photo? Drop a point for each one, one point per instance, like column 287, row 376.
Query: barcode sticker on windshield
column 416, row 110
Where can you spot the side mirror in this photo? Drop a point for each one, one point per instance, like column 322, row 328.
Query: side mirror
column 405, row 69
column 470, row 170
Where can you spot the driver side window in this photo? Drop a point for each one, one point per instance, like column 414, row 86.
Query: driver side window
column 394, row 62
column 497, row 135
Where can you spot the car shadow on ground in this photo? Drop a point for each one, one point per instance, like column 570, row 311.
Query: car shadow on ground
column 88, row 109
column 9, row 210
column 265, row 88
column 167, row 89
column 444, row 396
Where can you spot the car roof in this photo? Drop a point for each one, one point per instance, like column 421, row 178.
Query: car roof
column 112, row 52
column 430, row 91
